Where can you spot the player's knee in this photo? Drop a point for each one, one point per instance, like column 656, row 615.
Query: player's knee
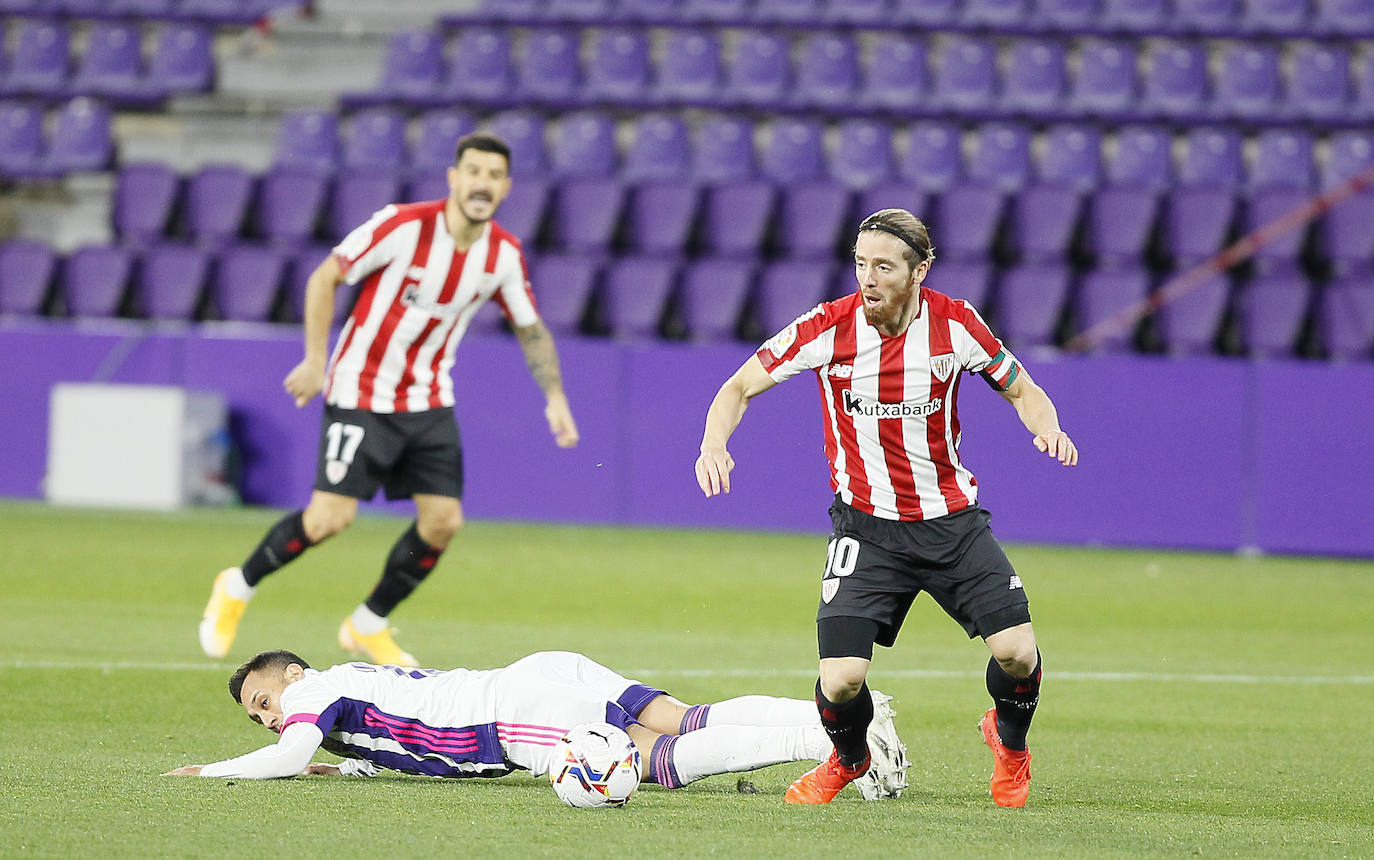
column 841, row 679
column 1019, row 658
column 440, row 527
column 325, row 521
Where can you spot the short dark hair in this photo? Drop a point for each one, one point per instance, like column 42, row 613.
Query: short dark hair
column 482, row 143
column 265, row 660
column 907, row 227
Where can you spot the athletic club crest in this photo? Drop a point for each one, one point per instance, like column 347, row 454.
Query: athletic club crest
column 335, row 470
column 829, row 586
column 941, row 366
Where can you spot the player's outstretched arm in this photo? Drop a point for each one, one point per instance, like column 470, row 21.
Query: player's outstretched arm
column 1037, row 412
column 714, row 464
column 289, row 756
column 542, row 360
column 307, row 378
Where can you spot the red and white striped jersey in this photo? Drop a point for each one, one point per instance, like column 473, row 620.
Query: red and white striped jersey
column 892, row 422
column 417, row 298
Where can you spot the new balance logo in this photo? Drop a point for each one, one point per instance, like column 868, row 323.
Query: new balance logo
column 840, row 371
column 858, row 406
column 1015, row 583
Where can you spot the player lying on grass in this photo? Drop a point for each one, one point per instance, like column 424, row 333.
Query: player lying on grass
column 467, row 722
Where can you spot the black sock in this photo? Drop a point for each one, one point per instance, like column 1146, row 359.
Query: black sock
column 1015, row 699
column 847, row 724
column 410, row 562
column 283, row 543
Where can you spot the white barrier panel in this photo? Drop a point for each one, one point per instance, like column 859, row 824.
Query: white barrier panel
column 136, row 446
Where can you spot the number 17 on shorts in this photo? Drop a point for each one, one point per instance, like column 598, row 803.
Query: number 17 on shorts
column 341, row 444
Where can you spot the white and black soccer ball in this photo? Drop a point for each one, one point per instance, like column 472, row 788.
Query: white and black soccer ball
column 594, row 765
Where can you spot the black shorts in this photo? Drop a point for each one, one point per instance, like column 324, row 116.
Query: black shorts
column 876, row 568
column 404, row 452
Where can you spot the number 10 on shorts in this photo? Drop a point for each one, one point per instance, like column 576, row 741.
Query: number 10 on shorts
column 341, row 444
column 840, row 560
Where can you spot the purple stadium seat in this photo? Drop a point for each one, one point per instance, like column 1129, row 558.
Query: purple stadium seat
column 786, row 11
column 375, row 140
column 308, row 138
column 413, row 66
column 170, row 281
column 965, row 74
column 793, row 151
column 1247, row 84
column 94, row 280
column 217, row 199
column 635, row 295
column 1347, row 229
column 966, row 220
column 1030, row 301
column 1344, row 17
column 82, row 139
column 1176, row 81
column 855, row 13
column 736, row 216
column 1345, row 315
column 1119, row 222
column 994, row 14
column 112, row 63
column 970, row 280
column 563, row 285
column 1102, row 294
column 1276, row 17
column 1043, row 219
column 356, row 195
column 618, row 71
column 789, row 288
column 924, row 13
column 1063, row 15
column 21, row 139
column 1141, row 158
column 584, row 145
column 895, row 78
column 290, row 200
column 147, row 9
column 1134, row 16
column 1206, row 17
column 827, row 72
column 1105, row 84
column 893, row 195
column 503, row 10
column 1362, row 99
column 431, row 185
column 712, row 297
column 862, row 158
column 690, row 72
column 437, row 141
column 811, row 218
column 1211, row 157
column 578, row 10
column 1071, row 157
column 182, row 61
column 1281, row 178
column 714, row 11
column 660, row 149
column 1035, row 77
column 26, row 270
column 1265, row 205
column 723, row 150
column 482, row 71
column 143, row 198
column 586, row 212
column 1318, row 87
column 648, row 11
column 42, row 54
column 549, row 70
column 299, row 265
column 1001, row 156
column 1189, row 323
column 1271, row 313
column 523, row 131
column 931, row 159
column 246, row 281
column 759, row 74
column 222, row 11
column 660, row 216
column 522, row 212
column 1350, row 154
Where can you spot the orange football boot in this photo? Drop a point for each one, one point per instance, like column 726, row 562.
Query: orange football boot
column 824, row 781
column 1010, row 768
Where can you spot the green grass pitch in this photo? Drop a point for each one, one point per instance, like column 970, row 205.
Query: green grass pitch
column 1193, row 704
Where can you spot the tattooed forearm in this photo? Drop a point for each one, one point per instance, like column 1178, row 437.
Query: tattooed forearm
column 540, row 356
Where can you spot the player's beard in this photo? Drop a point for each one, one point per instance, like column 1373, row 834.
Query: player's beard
column 888, row 311
column 462, row 208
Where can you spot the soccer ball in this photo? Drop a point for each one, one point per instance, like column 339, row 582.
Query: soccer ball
column 594, row 765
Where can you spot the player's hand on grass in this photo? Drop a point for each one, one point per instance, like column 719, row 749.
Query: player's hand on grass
column 561, row 422
column 1058, row 445
column 322, row 768
column 186, row 770
column 713, row 471
column 305, row 380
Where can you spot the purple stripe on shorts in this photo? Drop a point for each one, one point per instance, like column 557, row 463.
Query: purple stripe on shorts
column 636, row 697
column 694, row 719
column 661, row 767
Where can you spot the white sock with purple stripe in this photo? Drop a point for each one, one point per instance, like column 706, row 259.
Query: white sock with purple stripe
column 751, row 711
column 676, row 761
